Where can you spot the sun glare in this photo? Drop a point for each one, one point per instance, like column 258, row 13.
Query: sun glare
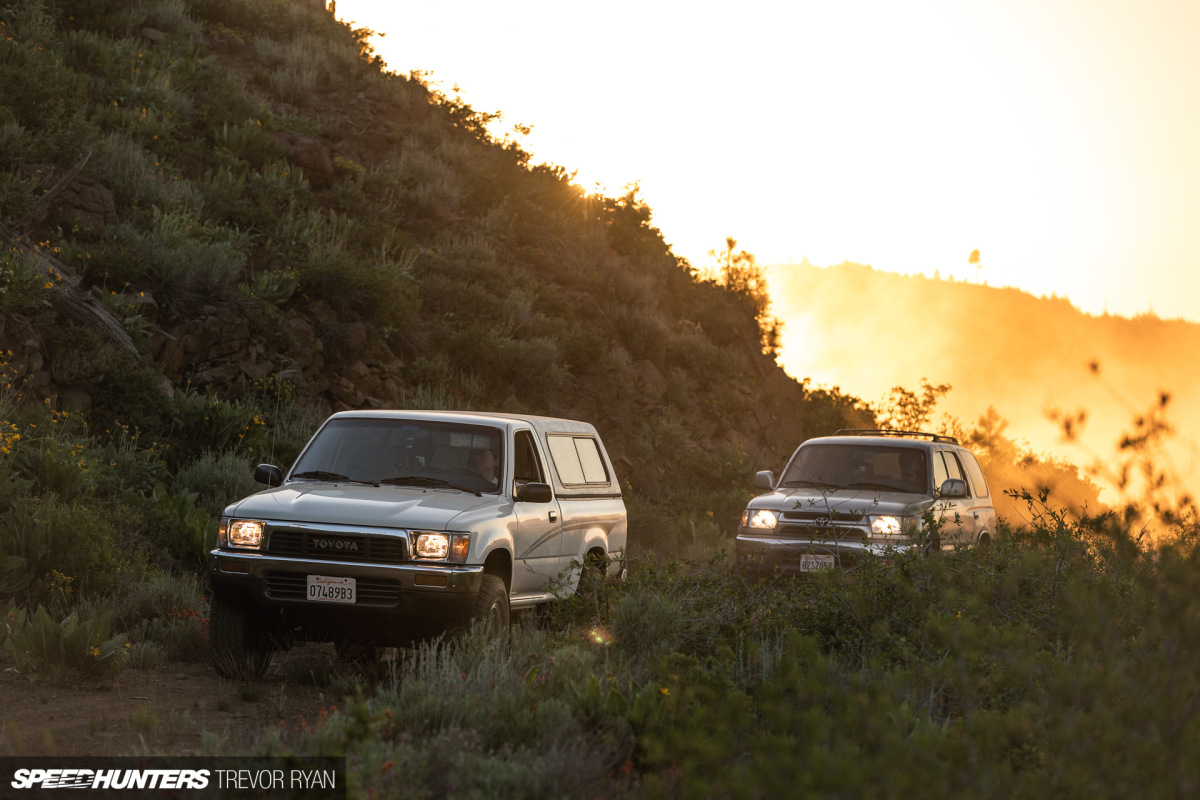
column 1057, row 137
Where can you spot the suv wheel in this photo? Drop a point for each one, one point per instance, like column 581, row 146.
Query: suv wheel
column 239, row 648
column 491, row 607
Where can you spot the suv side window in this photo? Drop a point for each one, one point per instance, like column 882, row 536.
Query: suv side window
column 527, row 466
column 978, row 484
column 952, row 467
column 939, row 471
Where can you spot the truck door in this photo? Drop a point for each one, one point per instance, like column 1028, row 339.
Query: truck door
column 537, row 542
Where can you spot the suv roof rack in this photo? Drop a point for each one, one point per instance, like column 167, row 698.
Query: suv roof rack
column 937, row 437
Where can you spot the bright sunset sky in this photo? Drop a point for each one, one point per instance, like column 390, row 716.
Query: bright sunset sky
column 1059, row 137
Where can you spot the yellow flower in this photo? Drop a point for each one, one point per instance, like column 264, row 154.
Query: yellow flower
column 665, row 690
column 95, row 652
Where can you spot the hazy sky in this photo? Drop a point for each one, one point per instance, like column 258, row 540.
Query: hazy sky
column 1061, row 138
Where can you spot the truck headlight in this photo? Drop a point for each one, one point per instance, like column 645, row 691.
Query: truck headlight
column 760, row 518
column 441, row 546
column 890, row 527
column 246, row 533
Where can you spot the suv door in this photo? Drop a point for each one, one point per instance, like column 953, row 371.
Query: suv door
column 537, row 541
column 981, row 508
column 958, row 516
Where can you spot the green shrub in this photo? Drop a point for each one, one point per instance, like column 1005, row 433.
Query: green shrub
column 55, row 466
column 71, row 540
column 132, row 393
column 57, row 649
column 215, row 480
column 171, row 16
column 275, row 287
column 245, row 16
column 40, row 92
column 165, row 616
column 174, row 523
column 205, row 423
column 125, row 463
column 23, row 287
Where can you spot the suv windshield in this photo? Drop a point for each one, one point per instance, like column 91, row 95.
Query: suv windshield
column 855, row 466
column 402, row 452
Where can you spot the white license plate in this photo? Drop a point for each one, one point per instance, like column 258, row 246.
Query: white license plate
column 324, row 589
column 814, row 563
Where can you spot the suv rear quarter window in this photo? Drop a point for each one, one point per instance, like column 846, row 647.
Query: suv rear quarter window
column 978, row 484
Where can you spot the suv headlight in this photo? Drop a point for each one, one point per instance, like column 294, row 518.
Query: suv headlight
column 245, row 533
column 759, row 518
column 887, row 526
column 438, row 546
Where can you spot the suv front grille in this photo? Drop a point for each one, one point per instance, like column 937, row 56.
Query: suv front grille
column 294, row 586
column 816, row 517
column 336, row 547
column 822, row 526
column 828, row 533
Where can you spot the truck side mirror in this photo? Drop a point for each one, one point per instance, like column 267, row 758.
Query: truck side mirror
column 268, row 474
column 764, row 479
column 953, row 487
column 535, row 493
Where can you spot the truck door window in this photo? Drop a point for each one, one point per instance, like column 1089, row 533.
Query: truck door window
column 527, row 466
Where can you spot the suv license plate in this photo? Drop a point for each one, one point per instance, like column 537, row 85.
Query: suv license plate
column 325, row 589
column 811, row 563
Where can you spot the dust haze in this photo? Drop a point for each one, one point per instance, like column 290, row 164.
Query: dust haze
column 867, row 331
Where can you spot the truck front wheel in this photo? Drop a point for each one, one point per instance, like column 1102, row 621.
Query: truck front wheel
column 491, row 607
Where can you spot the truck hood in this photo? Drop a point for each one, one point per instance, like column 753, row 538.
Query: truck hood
column 351, row 504
column 844, row 501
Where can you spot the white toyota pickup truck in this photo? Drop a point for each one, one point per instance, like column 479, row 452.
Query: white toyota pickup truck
column 395, row 525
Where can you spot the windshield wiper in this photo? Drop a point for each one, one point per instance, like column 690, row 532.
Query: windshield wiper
column 883, row 487
column 322, row 475
column 425, row 480
column 803, row 483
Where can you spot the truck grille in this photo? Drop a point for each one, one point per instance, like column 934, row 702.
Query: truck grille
column 294, row 586
column 337, row 547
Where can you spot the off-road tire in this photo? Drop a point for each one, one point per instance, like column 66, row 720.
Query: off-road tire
column 591, row 574
column 491, row 608
column 239, row 647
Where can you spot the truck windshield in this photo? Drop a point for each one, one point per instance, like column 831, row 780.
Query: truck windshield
column 400, row 452
column 852, row 466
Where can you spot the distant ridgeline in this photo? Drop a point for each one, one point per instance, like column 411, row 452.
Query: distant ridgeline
column 281, row 227
column 1035, row 360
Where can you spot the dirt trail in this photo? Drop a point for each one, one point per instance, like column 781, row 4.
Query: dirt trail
column 167, row 711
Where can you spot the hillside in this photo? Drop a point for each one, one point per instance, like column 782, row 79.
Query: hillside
column 282, row 229
column 1037, row 361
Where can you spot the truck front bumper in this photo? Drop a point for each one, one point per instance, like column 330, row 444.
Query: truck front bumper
column 413, row 590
